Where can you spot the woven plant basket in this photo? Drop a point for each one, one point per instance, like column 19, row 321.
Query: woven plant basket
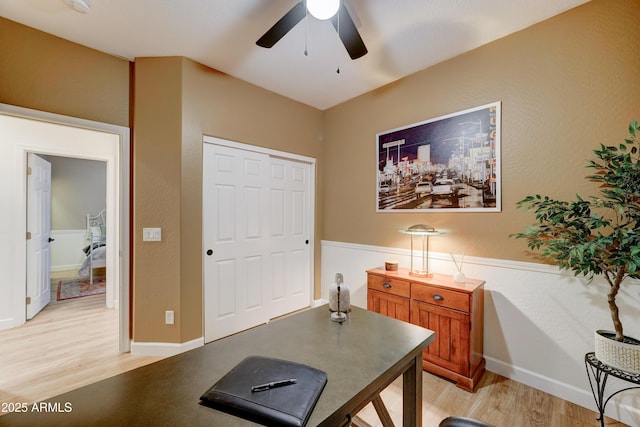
column 623, row 355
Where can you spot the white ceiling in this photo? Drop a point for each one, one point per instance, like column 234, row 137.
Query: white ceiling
column 402, row 36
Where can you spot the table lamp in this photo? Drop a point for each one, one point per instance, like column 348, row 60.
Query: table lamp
column 423, row 231
column 338, row 315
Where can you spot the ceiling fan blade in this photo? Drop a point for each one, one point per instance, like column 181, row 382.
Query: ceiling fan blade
column 283, row 26
column 349, row 34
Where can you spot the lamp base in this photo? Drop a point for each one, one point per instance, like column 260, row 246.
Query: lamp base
column 420, row 273
column 338, row 316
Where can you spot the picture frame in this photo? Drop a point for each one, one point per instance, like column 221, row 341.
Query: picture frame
column 449, row 163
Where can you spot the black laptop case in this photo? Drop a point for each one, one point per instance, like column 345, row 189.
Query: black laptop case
column 288, row 405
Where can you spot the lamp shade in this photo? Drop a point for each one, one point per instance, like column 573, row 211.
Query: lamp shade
column 323, row 9
column 423, row 231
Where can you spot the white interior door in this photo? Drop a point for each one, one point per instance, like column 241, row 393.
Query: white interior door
column 289, row 243
column 38, row 234
column 235, row 240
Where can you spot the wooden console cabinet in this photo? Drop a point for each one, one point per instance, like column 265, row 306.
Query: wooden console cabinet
column 454, row 311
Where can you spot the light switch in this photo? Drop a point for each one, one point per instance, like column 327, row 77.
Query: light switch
column 152, row 234
column 168, row 317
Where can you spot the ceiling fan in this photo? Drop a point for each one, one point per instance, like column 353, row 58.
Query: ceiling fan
column 340, row 18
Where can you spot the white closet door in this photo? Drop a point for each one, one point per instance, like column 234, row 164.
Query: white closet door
column 236, row 241
column 289, row 231
column 39, row 227
column 257, row 225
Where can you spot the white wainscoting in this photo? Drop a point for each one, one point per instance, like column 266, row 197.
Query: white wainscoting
column 66, row 249
column 538, row 320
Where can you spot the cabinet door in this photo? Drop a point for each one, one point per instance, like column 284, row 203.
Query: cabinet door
column 389, row 305
column 450, row 349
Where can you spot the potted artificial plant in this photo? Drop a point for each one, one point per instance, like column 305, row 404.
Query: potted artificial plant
column 598, row 236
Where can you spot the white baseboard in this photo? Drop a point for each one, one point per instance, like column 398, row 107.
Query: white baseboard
column 7, row 323
column 319, row 302
column 164, row 348
column 623, row 412
column 548, row 385
column 69, row 267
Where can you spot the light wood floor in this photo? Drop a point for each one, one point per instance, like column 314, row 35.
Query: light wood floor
column 67, row 345
column 498, row 401
column 73, row 343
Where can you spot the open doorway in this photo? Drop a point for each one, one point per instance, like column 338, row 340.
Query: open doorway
column 78, row 229
column 28, row 131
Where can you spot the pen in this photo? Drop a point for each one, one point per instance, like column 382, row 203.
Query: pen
column 274, row 384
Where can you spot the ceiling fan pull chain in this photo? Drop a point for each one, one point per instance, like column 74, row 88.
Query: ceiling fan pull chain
column 338, row 44
column 306, row 27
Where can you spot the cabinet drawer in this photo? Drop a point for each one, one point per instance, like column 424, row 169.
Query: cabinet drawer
column 441, row 297
column 389, row 286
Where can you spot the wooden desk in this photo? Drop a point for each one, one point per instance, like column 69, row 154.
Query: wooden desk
column 362, row 356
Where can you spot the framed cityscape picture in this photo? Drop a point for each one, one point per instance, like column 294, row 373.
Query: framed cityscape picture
column 449, row 163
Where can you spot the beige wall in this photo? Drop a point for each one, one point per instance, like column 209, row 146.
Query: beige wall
column 566, row 85
column 157, row 180
column 43, row 72
column 177, row 101
column 78, row 187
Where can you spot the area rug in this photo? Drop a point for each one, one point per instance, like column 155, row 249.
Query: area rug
column 76, row 288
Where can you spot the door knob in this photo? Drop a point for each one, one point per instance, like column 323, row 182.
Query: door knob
column 210, row 252
column 51, row 240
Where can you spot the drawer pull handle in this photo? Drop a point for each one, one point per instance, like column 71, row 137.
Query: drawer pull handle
column 387, row 285
column 438, row 297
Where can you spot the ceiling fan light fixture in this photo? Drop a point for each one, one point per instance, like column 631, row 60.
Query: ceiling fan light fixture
column 323, row 9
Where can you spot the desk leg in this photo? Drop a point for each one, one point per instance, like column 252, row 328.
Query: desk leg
column 412, row 394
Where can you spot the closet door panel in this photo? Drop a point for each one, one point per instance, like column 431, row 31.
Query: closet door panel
column 236, row 272
column 257, row 238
